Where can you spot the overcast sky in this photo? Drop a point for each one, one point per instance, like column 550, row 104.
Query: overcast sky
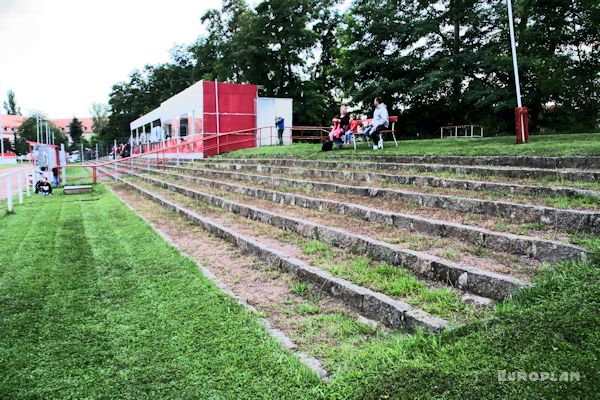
column 60, row 56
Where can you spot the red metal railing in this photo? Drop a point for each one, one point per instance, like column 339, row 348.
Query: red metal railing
column 207, row 145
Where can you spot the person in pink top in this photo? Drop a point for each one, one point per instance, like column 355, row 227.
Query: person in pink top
column 353, row 129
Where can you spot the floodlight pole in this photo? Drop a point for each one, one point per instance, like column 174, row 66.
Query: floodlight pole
column 520, row 112
column 37, row 128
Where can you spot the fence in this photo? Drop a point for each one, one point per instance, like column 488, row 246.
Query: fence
column 99, row 162
column 15, row 183
column 189, row 147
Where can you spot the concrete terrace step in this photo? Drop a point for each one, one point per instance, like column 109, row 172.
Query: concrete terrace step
column 578, row 162
column 562, row 219
column 508, row 172
column 473, row 280
column 418, row 180
column 392, row 313
column 538, row 249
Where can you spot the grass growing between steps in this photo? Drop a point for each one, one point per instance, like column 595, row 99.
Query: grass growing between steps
column 95, row 304
column 393, row 281
column 583, row 144
column 551, row 328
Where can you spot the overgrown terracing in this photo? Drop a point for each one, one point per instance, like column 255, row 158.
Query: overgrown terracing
column 367, row 245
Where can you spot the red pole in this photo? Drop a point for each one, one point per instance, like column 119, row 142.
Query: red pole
column 522, row 124
column 94, row 175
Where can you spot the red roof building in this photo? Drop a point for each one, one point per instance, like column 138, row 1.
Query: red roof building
column 10, row 124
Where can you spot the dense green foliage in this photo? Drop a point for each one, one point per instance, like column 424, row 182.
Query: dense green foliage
column 10, row 105
column 75, row 131
column 434, row 62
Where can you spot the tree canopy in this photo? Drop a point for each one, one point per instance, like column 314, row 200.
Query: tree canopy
column 11, row 104
column 28, row 132
column 433, row 62
column 75, row 131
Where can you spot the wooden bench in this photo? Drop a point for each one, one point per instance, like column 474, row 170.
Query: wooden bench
column 392, row 119
column 78, row 189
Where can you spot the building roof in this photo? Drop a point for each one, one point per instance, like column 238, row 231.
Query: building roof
column 10, row 123
column 63, row 123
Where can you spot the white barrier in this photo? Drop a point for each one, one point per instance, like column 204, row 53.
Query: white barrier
column 21, row 175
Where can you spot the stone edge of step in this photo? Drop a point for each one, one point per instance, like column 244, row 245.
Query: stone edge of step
column 471, row 279
column 540, row 249
column 393, row 313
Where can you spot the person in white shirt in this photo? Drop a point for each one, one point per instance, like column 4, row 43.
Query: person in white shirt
column 379, row 123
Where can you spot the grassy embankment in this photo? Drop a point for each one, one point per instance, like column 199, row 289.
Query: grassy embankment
column 581, row 144
column 96, row 304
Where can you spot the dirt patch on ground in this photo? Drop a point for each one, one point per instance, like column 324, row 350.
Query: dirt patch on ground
column 275, row 237
column 268, row 289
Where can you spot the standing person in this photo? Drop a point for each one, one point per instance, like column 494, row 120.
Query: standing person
column 378, row 124
column 55, row 176
column 280, row 124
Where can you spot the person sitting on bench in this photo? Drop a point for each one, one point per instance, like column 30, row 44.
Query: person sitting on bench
column 340, row 125
column 353, row 129
column 43, row 187
column 378, row 124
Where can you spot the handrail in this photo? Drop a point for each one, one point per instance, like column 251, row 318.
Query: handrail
column 184, row 143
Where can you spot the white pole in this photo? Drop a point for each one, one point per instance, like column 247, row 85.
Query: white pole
column 37, row 128
column 82, row 160
column 115, row 154
column 9, row 202
column 20, row 187
column 26, row 184
column 515, row 64
column 96, row 152
column 63, row 164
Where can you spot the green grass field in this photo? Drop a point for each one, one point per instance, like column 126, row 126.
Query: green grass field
column 95, row 304
column 583, row 144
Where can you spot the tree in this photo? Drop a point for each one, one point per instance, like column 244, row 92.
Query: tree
column 100, row 113
column 28, row 132
column 8, row 147
column 433, row 61
column 11, row 105
column 75, row 131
